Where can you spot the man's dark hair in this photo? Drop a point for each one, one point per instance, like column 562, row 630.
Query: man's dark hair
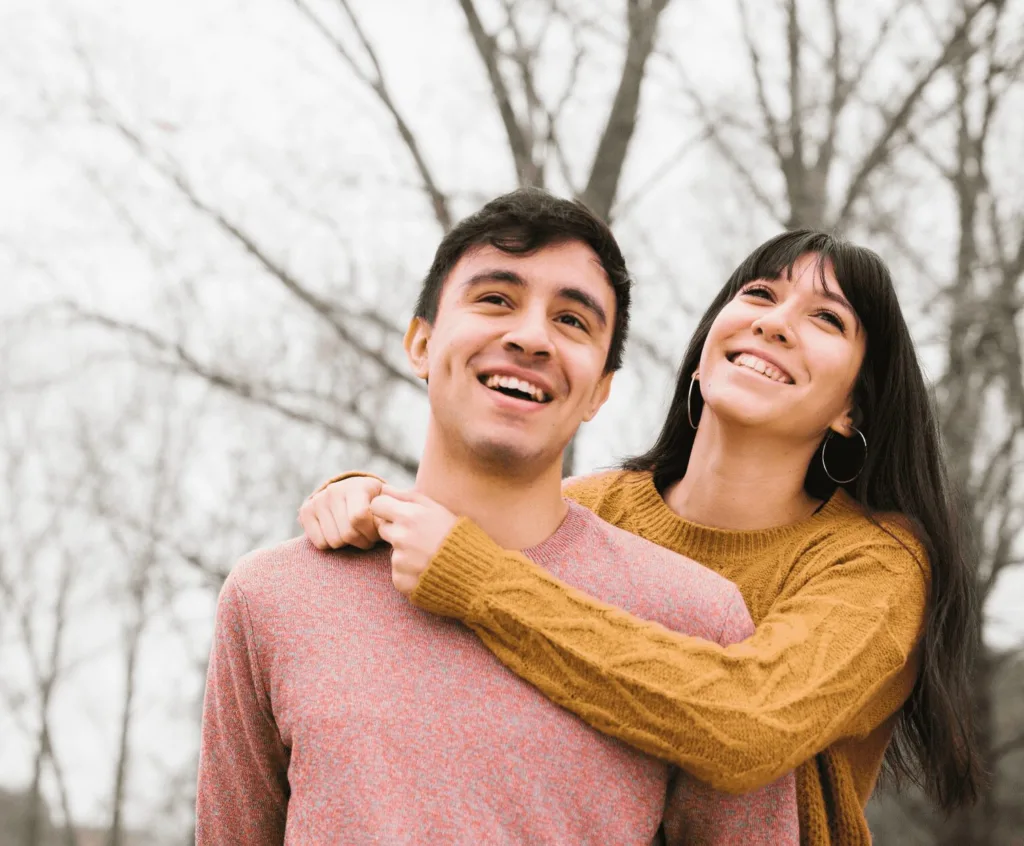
column 522, row 222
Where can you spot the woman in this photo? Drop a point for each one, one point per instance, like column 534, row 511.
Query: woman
column 801, row 460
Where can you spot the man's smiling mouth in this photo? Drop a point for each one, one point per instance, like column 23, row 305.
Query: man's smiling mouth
column 510, row 386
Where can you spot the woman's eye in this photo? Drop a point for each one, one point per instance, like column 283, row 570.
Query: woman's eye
column 759, row 291
column 833, row 318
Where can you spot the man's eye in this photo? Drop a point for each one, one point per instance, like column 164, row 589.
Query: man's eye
column 573, row 320
column 494, row 299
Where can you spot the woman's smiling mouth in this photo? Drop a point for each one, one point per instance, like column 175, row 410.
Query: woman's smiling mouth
column 760, row 366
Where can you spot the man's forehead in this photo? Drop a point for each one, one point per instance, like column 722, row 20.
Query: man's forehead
column 487, row 255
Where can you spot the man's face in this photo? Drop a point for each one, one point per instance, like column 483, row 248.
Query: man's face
column 516, row 356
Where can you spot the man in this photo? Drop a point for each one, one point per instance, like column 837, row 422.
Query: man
column 336, row 712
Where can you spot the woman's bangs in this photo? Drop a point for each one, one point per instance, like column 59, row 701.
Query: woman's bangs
column 776, row 258
column 867, row 286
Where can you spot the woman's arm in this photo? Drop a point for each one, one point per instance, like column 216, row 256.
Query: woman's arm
column 337, row 514
column 832, row 658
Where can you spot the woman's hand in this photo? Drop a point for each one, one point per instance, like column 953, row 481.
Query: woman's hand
column 415, row 526
column 339, row 515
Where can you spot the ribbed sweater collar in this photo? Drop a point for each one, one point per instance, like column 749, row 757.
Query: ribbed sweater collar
column 566, row 540
column 652, row 518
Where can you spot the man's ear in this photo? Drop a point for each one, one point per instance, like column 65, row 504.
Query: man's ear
column 416, row 339
column 600, row 396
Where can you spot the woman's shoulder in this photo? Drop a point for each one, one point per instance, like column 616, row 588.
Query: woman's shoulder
column 848, row 528
column 607, row 492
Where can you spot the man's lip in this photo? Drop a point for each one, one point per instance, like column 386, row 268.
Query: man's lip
column 764, row 357
column 525, row 375
column 521, row 406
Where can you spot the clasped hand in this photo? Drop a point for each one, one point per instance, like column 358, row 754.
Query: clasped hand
column 360, row 511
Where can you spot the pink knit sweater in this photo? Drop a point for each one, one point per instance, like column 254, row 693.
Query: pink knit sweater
column 336, row 712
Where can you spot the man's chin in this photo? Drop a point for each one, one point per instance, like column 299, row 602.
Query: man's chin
column 510, row 457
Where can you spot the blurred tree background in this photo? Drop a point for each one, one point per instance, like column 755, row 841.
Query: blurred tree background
column 217, row 218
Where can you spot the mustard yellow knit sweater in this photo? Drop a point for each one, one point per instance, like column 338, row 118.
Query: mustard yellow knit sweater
column 838, row 603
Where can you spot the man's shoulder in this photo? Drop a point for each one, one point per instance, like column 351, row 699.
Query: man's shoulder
column 292, row 565
column 676, row 591
column 625, row 547
column 593, row 490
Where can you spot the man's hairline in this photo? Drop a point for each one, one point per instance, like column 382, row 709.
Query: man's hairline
column 476, row 247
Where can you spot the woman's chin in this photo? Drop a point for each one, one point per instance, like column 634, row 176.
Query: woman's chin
column 746, row 416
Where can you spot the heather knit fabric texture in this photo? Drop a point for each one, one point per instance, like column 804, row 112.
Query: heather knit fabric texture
column 838, row 602
column 336, row 712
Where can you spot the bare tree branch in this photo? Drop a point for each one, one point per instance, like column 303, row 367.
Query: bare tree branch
column 527, row 170
column 378, row 84
column 771, row 123
column 896, row 122
column 796, row 100
column 320, row 306
column 657, row 176
column 184, row 361
column 602, row 187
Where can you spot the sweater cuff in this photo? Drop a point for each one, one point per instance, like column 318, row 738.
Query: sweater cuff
column 349, row 475
column 454, row 580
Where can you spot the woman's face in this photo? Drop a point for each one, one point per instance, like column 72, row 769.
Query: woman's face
column 784, row 354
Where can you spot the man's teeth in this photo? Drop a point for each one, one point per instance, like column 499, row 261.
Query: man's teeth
column 762, row 367
column 511, row 383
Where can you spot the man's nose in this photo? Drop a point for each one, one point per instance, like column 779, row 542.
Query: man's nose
column 531, row 334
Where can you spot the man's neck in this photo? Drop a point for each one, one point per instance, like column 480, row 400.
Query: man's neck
column 741, row 480
column 516, row 512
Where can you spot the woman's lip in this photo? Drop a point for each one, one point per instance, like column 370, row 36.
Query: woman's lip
column 731, row 357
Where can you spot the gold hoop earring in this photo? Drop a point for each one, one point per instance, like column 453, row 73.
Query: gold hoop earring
column 825, row 466
column 689, row 394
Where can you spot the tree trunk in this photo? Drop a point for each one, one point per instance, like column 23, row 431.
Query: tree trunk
column 115, row 836
column 34, row 806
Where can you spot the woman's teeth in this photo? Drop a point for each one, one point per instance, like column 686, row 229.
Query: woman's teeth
column 763, row 367
column 511, row 383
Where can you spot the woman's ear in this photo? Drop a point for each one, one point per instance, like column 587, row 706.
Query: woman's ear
column 843, row 424
column 416, row 340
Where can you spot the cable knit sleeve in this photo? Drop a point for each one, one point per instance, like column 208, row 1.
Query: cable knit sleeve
column 833, row 657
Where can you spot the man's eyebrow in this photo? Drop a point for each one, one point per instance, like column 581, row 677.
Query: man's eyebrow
column 568, row 292
column 484, row 276
column 587, row 301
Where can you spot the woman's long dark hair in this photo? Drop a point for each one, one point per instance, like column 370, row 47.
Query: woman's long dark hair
column 905, row 472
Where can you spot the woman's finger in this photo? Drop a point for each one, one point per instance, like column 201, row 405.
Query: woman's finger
column 311, row 526
column 388, row 532
column 329, row 527
column 390, row 509
column 408, row 495
column 361, row 518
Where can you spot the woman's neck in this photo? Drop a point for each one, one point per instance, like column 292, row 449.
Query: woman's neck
column 738, row 479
